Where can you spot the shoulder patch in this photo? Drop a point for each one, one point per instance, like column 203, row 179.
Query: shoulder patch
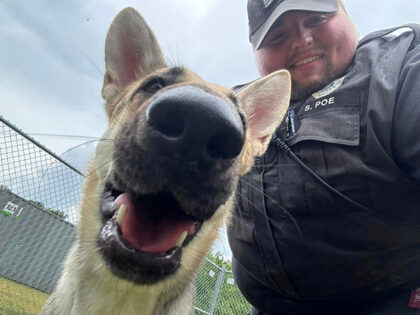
column 334, row 85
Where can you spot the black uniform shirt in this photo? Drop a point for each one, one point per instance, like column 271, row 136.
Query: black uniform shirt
column 293, row 237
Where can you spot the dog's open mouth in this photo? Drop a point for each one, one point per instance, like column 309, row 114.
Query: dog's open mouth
column 143, row 235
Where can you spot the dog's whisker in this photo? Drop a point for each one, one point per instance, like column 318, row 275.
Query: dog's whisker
column 288, row 214
column 271, row 165
column 253, row 165
column 277, row 224
column 116, row 118
column 99, row 167
column 127, row 105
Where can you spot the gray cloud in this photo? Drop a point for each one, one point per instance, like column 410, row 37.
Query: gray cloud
column 51, row 61
column 51, row 56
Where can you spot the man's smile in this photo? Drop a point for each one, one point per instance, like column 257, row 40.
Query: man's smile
column 305, row 61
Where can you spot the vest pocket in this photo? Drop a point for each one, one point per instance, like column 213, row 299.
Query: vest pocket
column 339, row 125
column 324, row 140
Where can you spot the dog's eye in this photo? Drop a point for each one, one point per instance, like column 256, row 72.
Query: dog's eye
column 153, row 85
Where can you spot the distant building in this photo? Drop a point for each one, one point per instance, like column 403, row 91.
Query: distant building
column 33, row 242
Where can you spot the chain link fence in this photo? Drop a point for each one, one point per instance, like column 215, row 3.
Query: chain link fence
column 39, row 196
column 217, row 292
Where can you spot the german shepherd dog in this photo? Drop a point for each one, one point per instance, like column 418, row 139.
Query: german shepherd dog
column 162, row 180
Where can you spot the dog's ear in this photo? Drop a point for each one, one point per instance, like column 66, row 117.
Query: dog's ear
column 131, row 51
column 265, row 102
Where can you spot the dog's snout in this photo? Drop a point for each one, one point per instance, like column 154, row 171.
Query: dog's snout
column 166, row 119
column 195, row 125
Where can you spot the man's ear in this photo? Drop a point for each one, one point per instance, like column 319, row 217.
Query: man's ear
column 265, row 102
column 131, row 51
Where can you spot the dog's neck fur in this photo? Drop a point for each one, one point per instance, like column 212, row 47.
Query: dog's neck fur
column 88, row 287
column 110, row 295
column 96, row 291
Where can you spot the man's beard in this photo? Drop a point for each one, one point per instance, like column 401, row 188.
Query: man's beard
column 302, row 91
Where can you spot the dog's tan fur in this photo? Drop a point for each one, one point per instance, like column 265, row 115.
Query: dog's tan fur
column 87, row 286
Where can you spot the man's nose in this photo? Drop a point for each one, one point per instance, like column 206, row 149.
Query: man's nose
column 302, row 38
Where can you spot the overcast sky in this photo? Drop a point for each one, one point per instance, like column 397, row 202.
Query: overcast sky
column 51, row 56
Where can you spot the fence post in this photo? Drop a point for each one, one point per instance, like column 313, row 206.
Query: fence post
column 217, row 289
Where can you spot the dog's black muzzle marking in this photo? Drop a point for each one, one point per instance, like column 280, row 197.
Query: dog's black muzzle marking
column 183, row 149
column 197, row 128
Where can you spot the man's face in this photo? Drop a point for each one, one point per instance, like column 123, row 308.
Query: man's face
column 315, row 47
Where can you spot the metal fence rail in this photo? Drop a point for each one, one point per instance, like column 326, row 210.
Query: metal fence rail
column 39, row 196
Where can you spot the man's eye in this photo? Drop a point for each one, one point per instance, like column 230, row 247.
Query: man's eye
column 316, row 20
column 276, row 39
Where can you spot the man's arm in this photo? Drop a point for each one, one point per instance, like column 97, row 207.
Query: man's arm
column 406, row 124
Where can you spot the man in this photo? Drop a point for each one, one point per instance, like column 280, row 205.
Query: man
column 328, row 220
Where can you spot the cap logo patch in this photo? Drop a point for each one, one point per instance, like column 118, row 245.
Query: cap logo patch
column 267, row 3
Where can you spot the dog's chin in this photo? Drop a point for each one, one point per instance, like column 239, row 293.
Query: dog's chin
column 143, row 236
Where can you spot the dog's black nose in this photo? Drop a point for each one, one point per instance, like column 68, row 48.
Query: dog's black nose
column 197, row 128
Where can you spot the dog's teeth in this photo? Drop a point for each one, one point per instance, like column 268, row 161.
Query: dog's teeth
column 181, row 239
column 121, row 213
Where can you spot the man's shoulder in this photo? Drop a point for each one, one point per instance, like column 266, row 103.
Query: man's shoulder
column 390, row 34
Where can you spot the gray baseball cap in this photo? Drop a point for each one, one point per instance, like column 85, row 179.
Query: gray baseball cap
column 263, row 13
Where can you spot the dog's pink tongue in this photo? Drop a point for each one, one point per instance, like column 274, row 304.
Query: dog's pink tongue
column 149, row 236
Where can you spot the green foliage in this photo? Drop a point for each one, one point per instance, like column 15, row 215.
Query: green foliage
column 2, row 187
column 58, row 213
column 229, row 299
column 38, row 204
column 220, row 260
column 41, row 206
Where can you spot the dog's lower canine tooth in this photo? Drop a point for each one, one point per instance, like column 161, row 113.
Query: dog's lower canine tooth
column 181, row 239
column 121, row 213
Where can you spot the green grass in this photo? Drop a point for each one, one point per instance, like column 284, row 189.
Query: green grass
column 18, row 299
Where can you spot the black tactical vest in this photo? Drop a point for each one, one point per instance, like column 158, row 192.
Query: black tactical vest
column 296, row 238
